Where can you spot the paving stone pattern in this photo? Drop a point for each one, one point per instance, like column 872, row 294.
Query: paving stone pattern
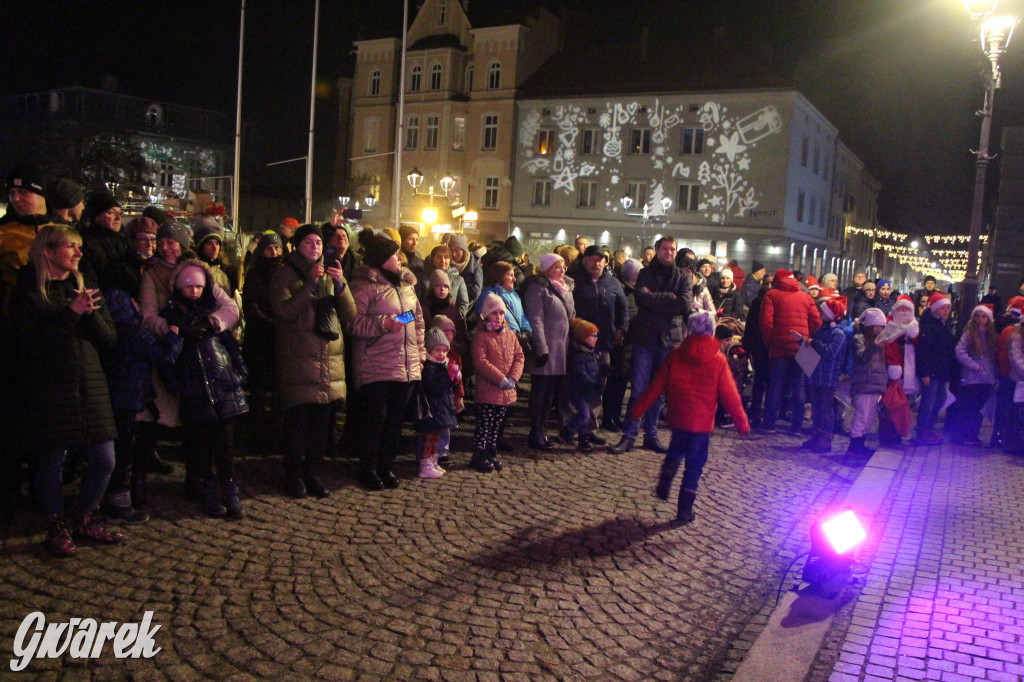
column 944, row 596
column 560, row 567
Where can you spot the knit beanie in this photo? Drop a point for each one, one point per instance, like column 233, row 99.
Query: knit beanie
column 100, row 202
column 205, row 230
column 548, row 260
column 631, row 270
column 405, row 231
column 267, row 239
column 701, row 323
column 872, row 317
column 937, row 300
column 304, row 231
column 985, row 308
column 155, row 214
column 581, row 329
column 883, row 283
column 930, row 278
column 28, row 177
column 439, row 276
column 513, row 246
column 756, row 265
column 725, row 272
column 435, row 337
column 829, row 280
column 491, row 303
column 63, row 193
column 834, row 308
column 377, row 249
column 442, row 322
column 177, row 232
column 190, row 275
column 458, row 241
column 392, row 234
column 143, row 225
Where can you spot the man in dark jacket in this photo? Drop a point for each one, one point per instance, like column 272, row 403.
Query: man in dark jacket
column 599, row 299
column 934, row 357
column 103, row 242
column 752, row 283
column 410, row 238
column 664, row 293
column 921, row 295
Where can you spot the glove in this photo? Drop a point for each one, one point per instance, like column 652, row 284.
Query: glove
column 507, row 383
column 894, row 372
column 196, row 330
column 541, row 360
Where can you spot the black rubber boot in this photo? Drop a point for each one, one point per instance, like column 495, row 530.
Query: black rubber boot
column 210, row 503
column 293, row 483
column 668, row 472
column 480, row 462
column 684, row 514
column 585, row 444
column 623, row 446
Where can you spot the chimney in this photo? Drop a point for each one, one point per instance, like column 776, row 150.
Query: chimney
column 644, row 32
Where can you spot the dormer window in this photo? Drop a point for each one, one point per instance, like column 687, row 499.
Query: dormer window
column 155, row 115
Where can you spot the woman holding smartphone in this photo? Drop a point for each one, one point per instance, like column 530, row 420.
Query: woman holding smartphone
column 389, row 352
column 310, row 367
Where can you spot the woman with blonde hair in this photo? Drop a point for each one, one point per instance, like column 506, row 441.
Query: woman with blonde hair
column 58, row 323
column 976, row 353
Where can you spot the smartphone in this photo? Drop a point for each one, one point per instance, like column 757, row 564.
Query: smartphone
column 406, row 317
column 331, row 257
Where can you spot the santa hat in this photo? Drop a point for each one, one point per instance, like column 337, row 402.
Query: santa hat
column 986, row 308
column 781, row 274
column 903, row 301
column 1015, row 306
column 872, row 317
column 937, row 300
column 548, row 260
column 834, row 308
column 811, row 282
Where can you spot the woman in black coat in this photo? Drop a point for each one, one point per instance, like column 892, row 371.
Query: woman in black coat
column 58, row 324
column 727, row 298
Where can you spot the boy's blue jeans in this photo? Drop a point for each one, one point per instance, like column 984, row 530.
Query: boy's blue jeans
column 688, row 448
column 933, row 397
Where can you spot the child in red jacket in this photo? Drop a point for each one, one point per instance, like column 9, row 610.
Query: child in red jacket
column 694, row 378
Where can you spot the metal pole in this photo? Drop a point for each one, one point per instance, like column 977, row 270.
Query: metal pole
column 969, row 288
column 396, row 181
column 238, row 129
column 312, row 113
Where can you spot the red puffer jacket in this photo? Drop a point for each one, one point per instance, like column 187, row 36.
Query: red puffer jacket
column 786, row 308
column 695, row 377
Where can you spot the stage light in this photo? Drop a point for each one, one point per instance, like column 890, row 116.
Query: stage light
column 834, row 541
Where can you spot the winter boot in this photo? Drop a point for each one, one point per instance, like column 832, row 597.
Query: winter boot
column 480, row 462
column 685, row 514
column 858, row 448
column 495, row 460
column 822, row 444
column 623, row 446
column 90, row 528
column 119, row 508
column 585, row 444
column 294, row 486
column 427, row 469
column 435, row 462
column 443, row 461
column 314, row 486
column 537, row 440
column 668, row 472
column 58, row 539
column 654, row 444
column 229, row 494
column 210, row 502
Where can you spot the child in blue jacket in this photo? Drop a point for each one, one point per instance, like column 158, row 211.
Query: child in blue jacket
column 584, row 385
column 829, row 341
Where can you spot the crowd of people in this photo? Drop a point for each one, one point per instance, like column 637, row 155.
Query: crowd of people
column 111, row 331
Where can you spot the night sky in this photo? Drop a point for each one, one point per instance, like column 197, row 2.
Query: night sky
column 899, row 78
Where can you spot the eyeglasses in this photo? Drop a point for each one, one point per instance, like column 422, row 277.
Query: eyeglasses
column 145, row 239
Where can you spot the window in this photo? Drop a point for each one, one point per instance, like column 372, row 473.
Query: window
column 430, row 134
column 490, row 140
column 435, row 77
column 491, row 193
column 166, row 175
column 813, row 210
column 412, row 132
column 545, row 141
column 817, row 157
column 375, row 83
column 414, row 79
column 155, row 115
column 821, row 214
column 640, row 141
column 590, row 144
column 588, row 193
column 373, row 186
column 637, row 191
column 442, row 12
column 693, row 141
column 469, row 78
column 371, row 135
column 803, row 151
column 541, row 192
column 494, row 76
column 459, row 133
column 824, row 172
column 688, row 198
column 800, row 206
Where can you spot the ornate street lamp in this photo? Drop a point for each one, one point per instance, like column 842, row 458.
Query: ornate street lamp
column 415, row 179
column 996, row 32
column 645, row 215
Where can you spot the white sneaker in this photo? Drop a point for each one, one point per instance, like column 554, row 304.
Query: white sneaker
column 437, row 467
column 427, row 469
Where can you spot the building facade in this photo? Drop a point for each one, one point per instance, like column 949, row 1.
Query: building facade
column 461, row 83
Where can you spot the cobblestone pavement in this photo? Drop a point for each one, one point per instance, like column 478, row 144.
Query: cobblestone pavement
column 944, row 596
column 562, row 566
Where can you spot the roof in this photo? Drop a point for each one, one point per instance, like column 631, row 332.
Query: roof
column 670, row 66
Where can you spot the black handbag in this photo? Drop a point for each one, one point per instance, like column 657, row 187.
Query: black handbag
column 327, row 325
